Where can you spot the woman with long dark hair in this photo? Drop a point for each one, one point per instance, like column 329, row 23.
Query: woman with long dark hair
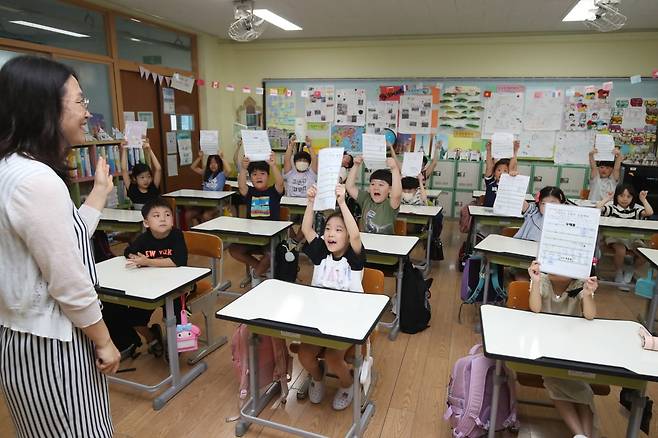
column 54, row 345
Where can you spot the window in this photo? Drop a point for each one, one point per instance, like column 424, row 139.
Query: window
column 6, row 55
column 53, row 23
column 148, row 44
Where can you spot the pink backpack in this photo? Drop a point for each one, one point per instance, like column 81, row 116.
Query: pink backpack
column 274, row 361
column 469, row 397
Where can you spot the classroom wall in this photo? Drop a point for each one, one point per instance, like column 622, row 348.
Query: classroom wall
column 573, row 55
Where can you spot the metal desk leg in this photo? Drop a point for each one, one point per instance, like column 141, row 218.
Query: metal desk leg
column 225, row 284
column 651, row 312
column 359, row 420
column 494, row 399
column 178, row 382
column 270, row 273
column 485, row 294
column 395, row 329
column 637, row 409
column 428, row 262
column 473, row 231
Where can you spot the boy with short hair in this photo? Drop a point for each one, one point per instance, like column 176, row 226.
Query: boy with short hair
column 413, row 191
column 604, row 176
column 263, row 202
column 378, row 210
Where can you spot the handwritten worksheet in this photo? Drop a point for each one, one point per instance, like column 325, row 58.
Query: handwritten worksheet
column 502, row 145
column 256, row 145
column 412, row 164
column 328, row 172
column 605, row 147
column 135, row 132
column 300, row 129
column 568, row 240
column 374, row 151
column 209, row 142
column 511, row 194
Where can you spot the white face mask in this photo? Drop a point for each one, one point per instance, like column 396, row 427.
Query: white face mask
column 301, row 166
column 343, row 173
column 408, row 197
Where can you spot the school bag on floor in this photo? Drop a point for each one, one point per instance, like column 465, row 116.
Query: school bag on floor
column 274, row 361
column 472, row 288
column 415, row 310
column 469, row 397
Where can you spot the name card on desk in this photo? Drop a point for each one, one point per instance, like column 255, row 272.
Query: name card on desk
column 568, row 240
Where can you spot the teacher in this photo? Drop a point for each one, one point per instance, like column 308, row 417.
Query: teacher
column 54, row 345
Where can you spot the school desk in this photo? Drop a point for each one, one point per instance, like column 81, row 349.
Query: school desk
column 121, row 221
column 422, row 215
column 390, row 250
column 149, row 288
column 627, row 228
column 329, row 318
column 197, row 198
column 477, row 193
column 652, row 257
column 485, row 216
column 296, row 205
column 600, row 351
column 248, row 231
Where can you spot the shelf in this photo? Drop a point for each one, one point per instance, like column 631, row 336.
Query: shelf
column 90, row 178
column 97, row 143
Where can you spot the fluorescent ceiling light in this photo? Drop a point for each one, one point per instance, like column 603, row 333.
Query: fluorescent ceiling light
column 276, row 20
column 50, row 29
column 136, row 20
column 137, row 40
column 584, row 10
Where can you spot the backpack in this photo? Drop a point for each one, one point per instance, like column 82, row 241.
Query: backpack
column 472, row 288
column 436, row 246
column 465, row 219
column 274, row 361
column 286, row 262
column 469, row 397
column 415, row 310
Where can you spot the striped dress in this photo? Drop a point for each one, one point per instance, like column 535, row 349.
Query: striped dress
column 52, row 387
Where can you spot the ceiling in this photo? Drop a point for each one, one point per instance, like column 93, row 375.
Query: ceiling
column 370, row 18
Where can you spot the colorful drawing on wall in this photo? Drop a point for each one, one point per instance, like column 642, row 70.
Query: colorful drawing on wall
column 503, row 112
column 281, row 112
column 351, row 107
column 633, row 123
column 543, row 110
column 319, row 133
column 573, row 147
column 348, row 137
column 461, row 108
column 319, row 103
column 390, row 92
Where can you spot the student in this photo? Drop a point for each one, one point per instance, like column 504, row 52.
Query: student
column 263, row 202
column 378, row 211
column 214, row 179
column 495, row 170
column 533, row 213
column 413, row 191
column 604, row 176
column 346, row 165
column 573, row 399
column 624, row 206
column 299, row 173
column 160, row 246
column 338, row 260
column 142, row 184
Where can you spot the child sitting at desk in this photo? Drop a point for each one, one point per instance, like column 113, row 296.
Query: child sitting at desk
column 573, row 399
column 338, row 258
column 493, row 172
column 214, row 179
column 161, row 246
column 378, row 210
column 263, row 202
column 533, row 213
column 624, row 206
column 143, row 183
column 299, row 173
column 604, row 176
column 413, row 191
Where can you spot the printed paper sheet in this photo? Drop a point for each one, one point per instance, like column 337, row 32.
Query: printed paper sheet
column 412, row 164
column 511, row 194
column 351, row 107
column 415, row 114
column 135, row 132
column 381, row 115
column 184, row 140
column 537, row 144
column 502, row 145
column 605, row 147
column 256, row 145
column 209, row 142
column 328, row 172
column 374, row 151
column 319, row 103
column 573, row 147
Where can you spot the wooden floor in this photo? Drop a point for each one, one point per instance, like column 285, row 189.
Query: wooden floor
column 413, row 373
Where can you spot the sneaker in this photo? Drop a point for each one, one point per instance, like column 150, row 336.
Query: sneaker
column 622, row 284
column 619, row 276
column 628, row 275
column 255, row 279
column 343, row 398
column 316, row 391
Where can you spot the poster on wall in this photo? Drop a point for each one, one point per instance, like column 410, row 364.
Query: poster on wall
column 573, row 147
column 503, row 112
column 633, row 123
column 184, row 140
column 390, row 93
column 537, row 144
column 281, row 112
column 319, row 133
column 168, row 101
column 543, row 110
column 348, row 138
column 461, row 108
column 415, row 114
column 146, row 116
column 351, row 107
column 319, row 103
column 381, row 115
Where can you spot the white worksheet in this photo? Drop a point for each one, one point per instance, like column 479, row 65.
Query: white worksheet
column 300, row 129
column 511, row 194
column 256, row 145
column 382, row 115
column 605, row 147
column 568, row 240
column 502, row 145
column 412, row 164
column 135, row 132
column 374, row 151
column 329, row 164
column 351, row 107
column 209, row 142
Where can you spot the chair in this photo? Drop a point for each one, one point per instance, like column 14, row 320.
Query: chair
column 518, row 297
column 373, row 283
column 284, row 213
column 400, row 227
column 204, row 297
column 584, row 194
column 653, row 241
column 509, row 231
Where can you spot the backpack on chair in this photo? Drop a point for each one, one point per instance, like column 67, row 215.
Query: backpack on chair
column 415, row 310
column 472, row 288
column 469, row 397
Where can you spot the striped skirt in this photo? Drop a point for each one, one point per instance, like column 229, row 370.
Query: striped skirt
column 53, row 388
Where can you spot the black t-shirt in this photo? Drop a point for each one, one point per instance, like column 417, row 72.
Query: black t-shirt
column 138, row 197
column 171, row 247
column 344, row 273
column 263, row 204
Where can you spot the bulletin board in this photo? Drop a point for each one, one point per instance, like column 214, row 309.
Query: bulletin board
column 555, row 119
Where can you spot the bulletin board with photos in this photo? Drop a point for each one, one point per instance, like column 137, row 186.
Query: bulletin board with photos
column 555, row 119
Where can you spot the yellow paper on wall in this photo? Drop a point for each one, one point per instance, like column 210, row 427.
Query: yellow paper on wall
column 462, row 143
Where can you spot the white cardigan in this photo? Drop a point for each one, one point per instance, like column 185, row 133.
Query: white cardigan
column 47, row 271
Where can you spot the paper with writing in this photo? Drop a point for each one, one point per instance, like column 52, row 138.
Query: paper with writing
column 568, row 240
column 172, row 165
column 502, row 145
column 511, row 194
column 328, row 172
column 209, row 142
column 412, row 164
column 605, row 147
column 300, row 129
column 374, row 151
column 256, row 145
column 135, row 132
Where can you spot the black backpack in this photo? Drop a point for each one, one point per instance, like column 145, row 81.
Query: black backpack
column 415, row 311
column 286, row 270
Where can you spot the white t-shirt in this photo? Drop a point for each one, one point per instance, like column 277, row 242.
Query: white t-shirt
column 298, row 183
column 600, row 187
column 346, row 273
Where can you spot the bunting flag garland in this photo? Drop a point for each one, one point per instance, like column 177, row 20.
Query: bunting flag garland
column 200, row 82
column 215, row 84
column 230, row 87
column 259, row 91
column 246, row 90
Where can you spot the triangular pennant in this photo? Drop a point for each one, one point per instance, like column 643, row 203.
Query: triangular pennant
column 160, row 79
column 168, row 80
column 154, row 76
column 147, row 74
column 230, row 87
column 200, row 82
column 141, row 72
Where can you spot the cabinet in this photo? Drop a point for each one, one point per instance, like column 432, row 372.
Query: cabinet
column 542, row 176
column 572, row 179
column 469, row 175
column 461, row 198
column 443, row 176
column 445, row 200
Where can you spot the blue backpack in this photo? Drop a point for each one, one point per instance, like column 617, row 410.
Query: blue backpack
column 472, row 289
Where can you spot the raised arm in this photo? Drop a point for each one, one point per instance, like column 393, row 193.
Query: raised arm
column 396, row 186
column 616, row 170
column 602, row 203
column 535, row 286
column 350, row 223
column 593, row 168
column 274, row 170
column 125, row 173
column 287, row 160
column 513, row 164
column 314, row 156
column 648, row 210
column 309, row 215
column 489, row 160
column 421, row 186
column 429, row 168
column 155, row 164
column 350, row 184
column 243, row 188
column 226, row 166
column 589, row 306
column 196, row 166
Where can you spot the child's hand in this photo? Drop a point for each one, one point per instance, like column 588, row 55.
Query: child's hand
column 146, row 145
column 590, row 286
column 340, row 193
column 643, row 195
column 310, row 193
column 513, row 172
column 616, row 152
column 392, row 163
column 487, row 147
column 358, row 160
column 593, row 152
column 308, row 142
column 291, row 141
column 533, row 270
column 271, row 160
column 200, row 155
column 517, row 145
column 245, row 163
column 421, row 178
column 102, row 178
column 221, row 154
column 138, row 260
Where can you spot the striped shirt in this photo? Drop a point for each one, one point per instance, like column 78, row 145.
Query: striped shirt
column 614, row 210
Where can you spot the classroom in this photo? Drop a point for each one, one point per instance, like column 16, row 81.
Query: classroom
column 317, row 218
